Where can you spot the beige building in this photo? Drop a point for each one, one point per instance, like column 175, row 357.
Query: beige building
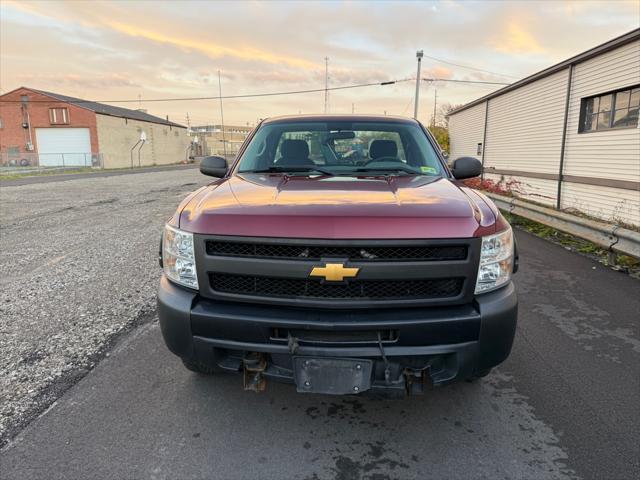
column 212, row 141
column 568, row 136
column 120, row 145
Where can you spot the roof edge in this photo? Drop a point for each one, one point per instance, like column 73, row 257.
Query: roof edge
column 579, row 58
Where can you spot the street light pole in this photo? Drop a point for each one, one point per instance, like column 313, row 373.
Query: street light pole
column 419, row 54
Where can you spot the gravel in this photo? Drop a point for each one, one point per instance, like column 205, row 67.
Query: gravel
column 79, row 267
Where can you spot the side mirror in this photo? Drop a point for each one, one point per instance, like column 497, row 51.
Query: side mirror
column 466, row 167
column 214, row 166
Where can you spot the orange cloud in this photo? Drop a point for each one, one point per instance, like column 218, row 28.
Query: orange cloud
column 516, row 39
column 211, row 49
column 93, row 18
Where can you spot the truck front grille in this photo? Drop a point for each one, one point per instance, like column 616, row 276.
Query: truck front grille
column 355, row 289
column 424, row 253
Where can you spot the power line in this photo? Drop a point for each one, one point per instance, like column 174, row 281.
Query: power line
column 469, row 67
column 462, row 81
column 225, row 97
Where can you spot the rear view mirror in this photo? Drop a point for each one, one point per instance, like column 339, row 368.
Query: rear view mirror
column 466, row 167
column 342, row 135
column 214, row 166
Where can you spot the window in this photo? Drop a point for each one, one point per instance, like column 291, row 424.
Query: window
column 343, row 148
column 612, row 110
column 59, row 116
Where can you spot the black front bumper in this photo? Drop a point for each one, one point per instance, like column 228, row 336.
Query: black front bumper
column 447, row 342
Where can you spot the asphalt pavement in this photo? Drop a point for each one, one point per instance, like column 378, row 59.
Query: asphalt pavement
column 78, row 269
column 564, row 405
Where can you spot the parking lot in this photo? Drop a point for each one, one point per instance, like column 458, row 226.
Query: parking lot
column 79, row 277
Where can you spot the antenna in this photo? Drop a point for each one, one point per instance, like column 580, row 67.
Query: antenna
column 326, row 84
column 224, row 142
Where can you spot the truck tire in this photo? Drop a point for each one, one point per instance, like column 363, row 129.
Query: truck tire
column 199, row 367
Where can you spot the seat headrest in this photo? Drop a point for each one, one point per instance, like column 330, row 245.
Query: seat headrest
column 383, row 148
column 294, row 149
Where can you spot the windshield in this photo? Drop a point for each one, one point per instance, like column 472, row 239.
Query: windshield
column 341, row 148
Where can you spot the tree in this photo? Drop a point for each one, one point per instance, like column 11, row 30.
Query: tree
column 441, row 135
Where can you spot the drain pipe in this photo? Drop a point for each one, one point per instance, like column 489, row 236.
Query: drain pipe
column 131, row 151
column 140, row 148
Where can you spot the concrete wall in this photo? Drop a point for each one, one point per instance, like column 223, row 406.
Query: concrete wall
column 116, row 136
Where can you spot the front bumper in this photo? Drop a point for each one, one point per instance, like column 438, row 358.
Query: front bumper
column 447, row 342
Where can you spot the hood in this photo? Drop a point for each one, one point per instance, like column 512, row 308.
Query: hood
column 402, row 207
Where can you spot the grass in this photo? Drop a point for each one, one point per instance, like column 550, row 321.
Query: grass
column 14, row 176
column 621, row 262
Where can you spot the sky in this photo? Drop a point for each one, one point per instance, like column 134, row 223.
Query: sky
column 153, row 49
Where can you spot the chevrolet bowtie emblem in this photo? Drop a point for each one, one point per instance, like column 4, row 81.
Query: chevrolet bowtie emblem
column 334, row 272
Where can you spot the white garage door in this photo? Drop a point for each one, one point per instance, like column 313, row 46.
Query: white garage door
column 64, row 146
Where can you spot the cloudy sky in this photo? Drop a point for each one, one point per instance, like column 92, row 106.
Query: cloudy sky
column 154, row 49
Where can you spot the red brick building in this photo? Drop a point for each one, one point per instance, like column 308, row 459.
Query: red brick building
column 39, row 128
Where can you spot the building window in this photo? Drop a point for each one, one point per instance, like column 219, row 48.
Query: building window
column 59, row 116
column 609, row 111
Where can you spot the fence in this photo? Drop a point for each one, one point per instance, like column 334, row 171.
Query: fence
column 611, row 237
column 11, row 163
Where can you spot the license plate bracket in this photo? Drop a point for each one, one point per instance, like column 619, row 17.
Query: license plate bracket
column 332, row 376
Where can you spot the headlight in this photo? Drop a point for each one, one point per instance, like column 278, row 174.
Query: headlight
column 496, row 261
column 178, row 259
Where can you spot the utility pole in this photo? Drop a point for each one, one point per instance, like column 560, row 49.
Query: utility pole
column 326, row 84
column 419, row 55
column 353, row 108
column 188, row 123
column 435, row 104
column 224, row 142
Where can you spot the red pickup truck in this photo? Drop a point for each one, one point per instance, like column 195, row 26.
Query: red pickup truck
column 341, row 254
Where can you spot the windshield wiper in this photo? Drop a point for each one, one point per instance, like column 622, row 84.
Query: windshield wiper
column 283, row 169
column 399, row 168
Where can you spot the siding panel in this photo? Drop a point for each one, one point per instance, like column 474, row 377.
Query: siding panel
column 613, row 154
column 524, row 132
column 609, row 204
column 466, row 130
column 533, row 189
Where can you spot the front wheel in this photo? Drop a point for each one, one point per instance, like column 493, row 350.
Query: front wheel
column 199, row 367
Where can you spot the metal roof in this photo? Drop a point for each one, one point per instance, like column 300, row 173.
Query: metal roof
column 110, row 110
column 600, row 49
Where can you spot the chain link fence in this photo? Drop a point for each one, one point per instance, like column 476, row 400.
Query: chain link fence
column 18, row 163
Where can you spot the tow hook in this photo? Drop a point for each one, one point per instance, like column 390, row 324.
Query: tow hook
column 415, row 381
column 253, row 366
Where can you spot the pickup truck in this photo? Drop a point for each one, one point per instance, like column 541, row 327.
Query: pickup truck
column 340, row 254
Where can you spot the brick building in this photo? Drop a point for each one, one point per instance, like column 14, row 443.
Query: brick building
column 46, row 129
